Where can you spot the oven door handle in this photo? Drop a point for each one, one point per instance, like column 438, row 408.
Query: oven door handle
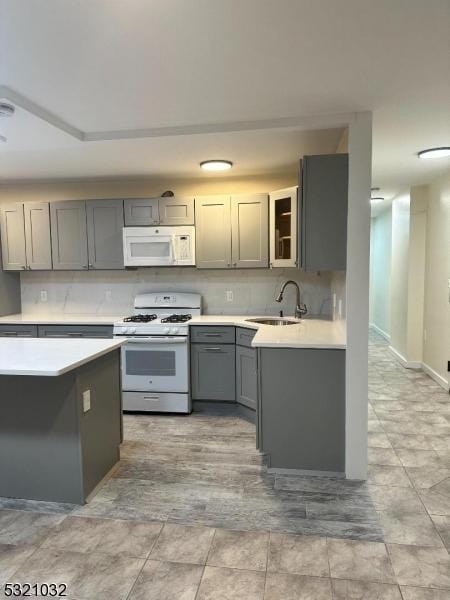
column 154, row 340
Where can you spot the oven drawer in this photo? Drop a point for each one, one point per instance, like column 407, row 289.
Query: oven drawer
column 153, row 402
column 244, row 336
column 206, row 334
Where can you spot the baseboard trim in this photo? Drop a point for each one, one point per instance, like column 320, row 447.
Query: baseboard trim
column 436, row 377
column 408, row 364
column 378, row 330
column 306, row 472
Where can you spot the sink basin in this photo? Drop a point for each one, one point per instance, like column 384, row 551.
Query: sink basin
column 273, row 321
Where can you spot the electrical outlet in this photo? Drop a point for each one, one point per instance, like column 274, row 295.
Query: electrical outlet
column 43, row 295
column 340, row 308
column 86, row 400
column 229, row 296
column 108, row 296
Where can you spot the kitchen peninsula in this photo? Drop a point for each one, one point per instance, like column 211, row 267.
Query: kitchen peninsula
column 60, row 417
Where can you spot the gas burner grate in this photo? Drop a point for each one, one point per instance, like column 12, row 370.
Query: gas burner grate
column 140, row 318
column 176, row 319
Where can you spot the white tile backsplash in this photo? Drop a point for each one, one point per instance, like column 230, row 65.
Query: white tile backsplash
column 113, row 292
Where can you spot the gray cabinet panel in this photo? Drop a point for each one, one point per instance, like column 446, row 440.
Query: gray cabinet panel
column 104, row 228
column 141, row 211
column 37, row 236
column 76, row 331
column 213, row 374
column 18, row 331
column 213, row 232
column 246, row 377
column 69, row 235
column 244, row 336
column 302, row 399
column 13, row 237
column 176, row 211
column 250, row 231
column 323, row 214
column 212, row 334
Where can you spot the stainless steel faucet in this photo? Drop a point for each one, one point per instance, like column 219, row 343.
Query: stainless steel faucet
column 300, row 308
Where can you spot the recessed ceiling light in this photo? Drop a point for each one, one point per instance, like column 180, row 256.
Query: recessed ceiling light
column 377, row 200
column 216, row 165
column 2, row 138
column 435, row 152
column 6, row 110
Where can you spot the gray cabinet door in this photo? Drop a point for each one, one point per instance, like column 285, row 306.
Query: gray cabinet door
column 104, row 229
column 250, row 231
column 18, row 331
column 13, row 237
column 76, row 331
column 69, row 235
column 246, row 377
column 37, row 236
column 176, row 211
column 213, row 232
column 213, row 372
column 323, row 214
column 141, row 211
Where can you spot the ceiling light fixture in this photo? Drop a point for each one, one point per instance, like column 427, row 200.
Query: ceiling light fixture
column 6, row 110
column 3, row 138
column 441, row 152
column 377, row 200
column 216, row 165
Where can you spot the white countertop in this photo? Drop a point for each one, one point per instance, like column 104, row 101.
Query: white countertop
column 50, row 357
column 306, row 333
column 59, row 319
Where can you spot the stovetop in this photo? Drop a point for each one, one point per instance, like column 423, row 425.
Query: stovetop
column 176, row 318
column 140, row 318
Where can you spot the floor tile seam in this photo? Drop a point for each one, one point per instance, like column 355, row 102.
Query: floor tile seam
column 136, row 579
column 211, row 545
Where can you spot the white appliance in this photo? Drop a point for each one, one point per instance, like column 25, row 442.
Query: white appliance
column 159, row 246
column 155, row 359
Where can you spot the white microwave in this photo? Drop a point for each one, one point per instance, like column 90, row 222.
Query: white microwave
column 159, row 246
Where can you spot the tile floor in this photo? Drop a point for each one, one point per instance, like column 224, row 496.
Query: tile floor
column 191, row 514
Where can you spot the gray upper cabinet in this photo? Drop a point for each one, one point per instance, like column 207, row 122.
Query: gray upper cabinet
column 283, row 227
column 13, row 237
column 250, row 231
column 141, row 211
column 104, row 229
column 323, row 214
column 213, row 232
column 69, row 235
column 38, row 236
column 176, row 211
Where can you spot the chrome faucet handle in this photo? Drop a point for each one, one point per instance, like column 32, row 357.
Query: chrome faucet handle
column 300, row 310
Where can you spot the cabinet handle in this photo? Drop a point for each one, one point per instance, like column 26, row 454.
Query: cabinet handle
column 213, row 349
column 90, row 265
column 9, row 333
column 85, row 266
column 214, row 335
column 234, row 264
column 228, row 264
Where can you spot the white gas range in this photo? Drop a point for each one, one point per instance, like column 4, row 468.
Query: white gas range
column 155, row 359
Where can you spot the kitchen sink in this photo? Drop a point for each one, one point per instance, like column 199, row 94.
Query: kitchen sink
column 273, row 321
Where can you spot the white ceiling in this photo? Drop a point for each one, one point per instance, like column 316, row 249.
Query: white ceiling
column 109, row 65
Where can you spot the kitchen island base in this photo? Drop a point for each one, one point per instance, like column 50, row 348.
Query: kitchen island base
column 53, row 446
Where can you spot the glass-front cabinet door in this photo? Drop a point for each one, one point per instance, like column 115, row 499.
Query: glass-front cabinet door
column 283, row 227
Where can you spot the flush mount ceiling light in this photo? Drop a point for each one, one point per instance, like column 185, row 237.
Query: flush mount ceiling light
column 441, row 152
column 2, row 138
column 216, row 165
column 377, row 200
column 6, row 110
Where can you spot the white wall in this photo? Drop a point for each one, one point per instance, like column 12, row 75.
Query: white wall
column 399, row 273
column 436, row 351
column 380, row 275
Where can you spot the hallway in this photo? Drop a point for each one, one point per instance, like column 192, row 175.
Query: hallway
column 192, row 514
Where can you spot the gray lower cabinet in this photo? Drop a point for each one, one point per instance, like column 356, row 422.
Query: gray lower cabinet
column 246, row 377
column 213, row 372
column 105, row 222
column 323, row 212
column 75, row 331
column 69, row 235
column 302, row 408
column 250, row 231
column 13, row 237
column 18, row 331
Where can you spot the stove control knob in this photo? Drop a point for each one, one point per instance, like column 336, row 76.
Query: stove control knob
column 166, row 329
column 127, row 330
column 132, row 330
column 175, row 330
